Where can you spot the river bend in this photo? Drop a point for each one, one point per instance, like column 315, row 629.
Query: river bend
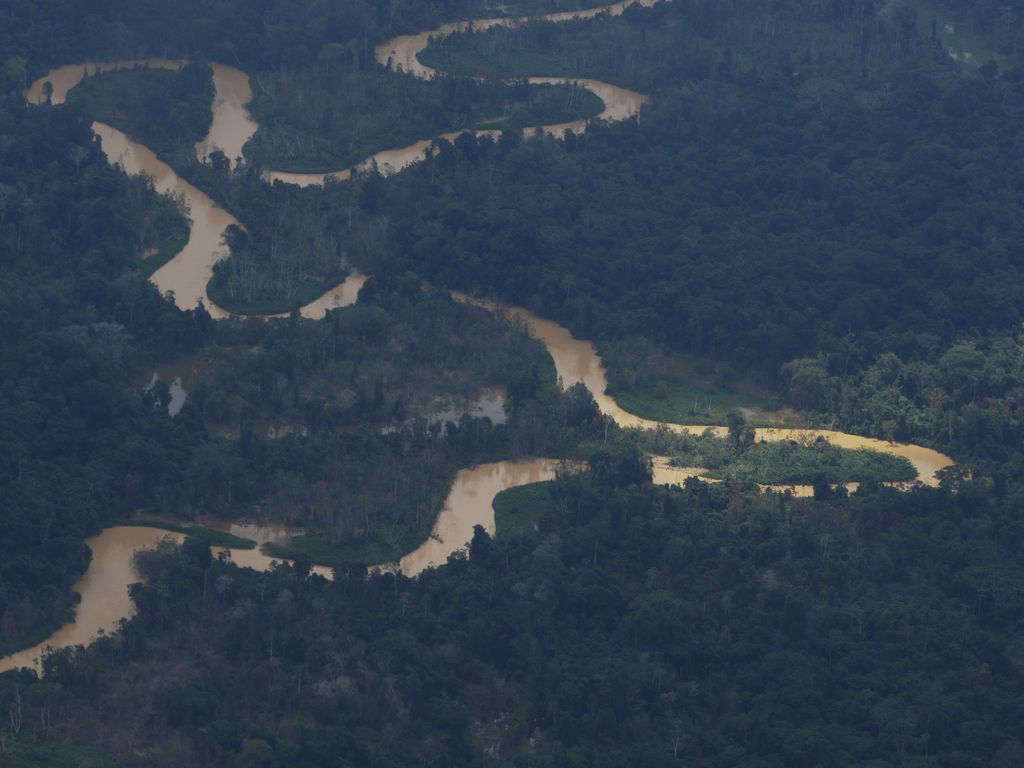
column 103, row 588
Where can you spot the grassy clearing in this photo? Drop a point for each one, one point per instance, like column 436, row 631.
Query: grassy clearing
column 517, row 510
column 535, row 7
column 305, row 292
column 210, row 536
column 786, row 463
column 679, row 402
column 930, row 16
column 783, row 462
column 22, row 755
column 320, row 550
column 652, row 382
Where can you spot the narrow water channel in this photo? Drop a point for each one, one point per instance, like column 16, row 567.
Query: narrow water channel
column 576, row 360
column 103, row 588
column 470, row 503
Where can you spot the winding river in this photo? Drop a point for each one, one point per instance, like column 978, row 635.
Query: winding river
column 577, row 360
column 105, row 600
column 103, row 588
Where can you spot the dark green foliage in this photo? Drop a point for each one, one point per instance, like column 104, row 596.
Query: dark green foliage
column 978, row 26
column 685, row 41
column 621, row 466
column 77, row 444
column 329, row 118
column 831, row 194
column 256, row 281
column 54, row 756
column 264, row 34
column 966, row 395
column 779, row 463
column 638, row 625
column 257, row 35
column 712, row 271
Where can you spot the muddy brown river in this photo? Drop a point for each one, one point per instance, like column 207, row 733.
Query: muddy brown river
column 189, row 272
column 577, row 360
column 401, row 54
column 104, row 587
column 232, row 124
column 470, row 503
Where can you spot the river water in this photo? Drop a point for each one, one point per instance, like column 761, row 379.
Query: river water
column 470, row 503
column 577, row 360
column 232, row 124
column 189, row 272
column 103, row 588
column 401, row 54
column 63, row 79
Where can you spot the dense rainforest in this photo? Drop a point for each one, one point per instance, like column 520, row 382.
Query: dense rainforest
column 84, row 444
column 858, row 196
column 636, row 626
column 817, row 204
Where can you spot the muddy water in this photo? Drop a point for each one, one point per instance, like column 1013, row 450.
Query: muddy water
column 63, row 79
column 187, row 274
column 230, row 128
column 577, row 360
column 104, row 591
column 104, row 587
column 387, row 162
column 400, row 54
column 620, row 104
column 469, row 503
column 180, row 376
column 665, row 474
column 232, row 124
column 344, row 295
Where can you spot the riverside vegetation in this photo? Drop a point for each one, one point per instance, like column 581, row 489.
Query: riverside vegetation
column 837, row 219
column 638, row 624
column 332, row 117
